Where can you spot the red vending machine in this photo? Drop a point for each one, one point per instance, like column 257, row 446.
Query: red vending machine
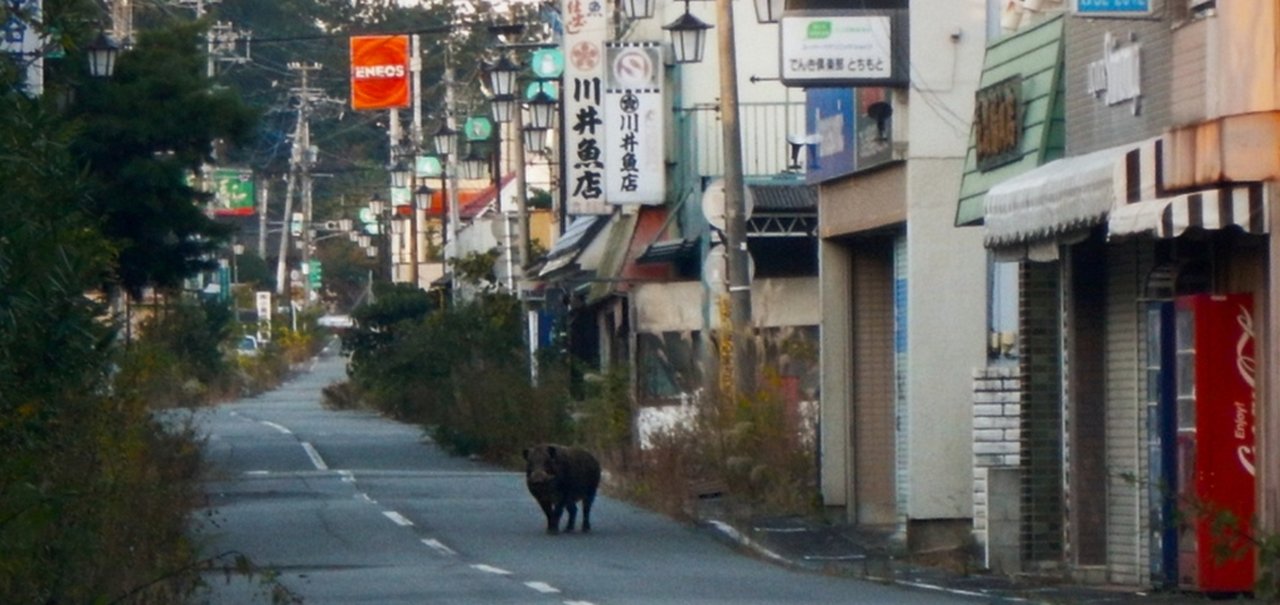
column 1216, row 364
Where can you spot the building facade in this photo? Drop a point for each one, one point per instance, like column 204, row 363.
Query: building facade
column 1151, row 227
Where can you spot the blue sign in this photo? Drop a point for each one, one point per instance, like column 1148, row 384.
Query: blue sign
column 1113, row 8
column 829, row 124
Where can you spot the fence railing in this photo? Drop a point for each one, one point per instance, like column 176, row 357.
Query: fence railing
column 764, row 127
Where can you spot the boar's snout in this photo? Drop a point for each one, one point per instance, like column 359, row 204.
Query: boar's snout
column 539, row 476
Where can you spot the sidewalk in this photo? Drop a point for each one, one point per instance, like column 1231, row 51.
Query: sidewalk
column 840, row 550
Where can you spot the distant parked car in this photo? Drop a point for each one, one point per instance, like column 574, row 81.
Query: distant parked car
column 248, row 347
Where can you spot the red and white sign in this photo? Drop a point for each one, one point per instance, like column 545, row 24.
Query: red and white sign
column 1225, row 479
column 379, row 72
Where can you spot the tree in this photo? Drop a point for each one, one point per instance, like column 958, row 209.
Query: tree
column 145, row 133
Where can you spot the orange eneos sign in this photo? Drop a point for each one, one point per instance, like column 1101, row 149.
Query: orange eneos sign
column 379, row 72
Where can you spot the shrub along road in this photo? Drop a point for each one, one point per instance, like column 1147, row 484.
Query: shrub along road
column 349, row 507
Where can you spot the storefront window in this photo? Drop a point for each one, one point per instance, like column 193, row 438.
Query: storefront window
column 1002, row 312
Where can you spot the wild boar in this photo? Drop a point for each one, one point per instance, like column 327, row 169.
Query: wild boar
column 558, row 477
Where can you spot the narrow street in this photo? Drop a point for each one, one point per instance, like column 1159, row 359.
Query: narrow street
column 349, row 507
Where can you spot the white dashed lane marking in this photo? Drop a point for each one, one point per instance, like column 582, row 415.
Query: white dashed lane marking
column 314, row 456
column 542, row 587
column 280, row 428
column 439, row 547
column 399, row 519
column 490, row 569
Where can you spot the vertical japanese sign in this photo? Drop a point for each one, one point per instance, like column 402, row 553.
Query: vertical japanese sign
column 18, row 37
column 233, row 191
column 586, row 25
column 634, row 167
column 379, row 72
column 262, row 301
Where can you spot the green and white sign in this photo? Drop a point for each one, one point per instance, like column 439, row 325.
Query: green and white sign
column 845, row 48
column 478, row 128
column 233, row 191
column 547, row 63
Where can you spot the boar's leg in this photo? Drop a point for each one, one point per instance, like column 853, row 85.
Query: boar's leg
column 586, row 511
column 572, row 507
column 553, row 519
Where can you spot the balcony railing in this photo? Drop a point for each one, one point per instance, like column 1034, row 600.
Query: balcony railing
column 764, row 127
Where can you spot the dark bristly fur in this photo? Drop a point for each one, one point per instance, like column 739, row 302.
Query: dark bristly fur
column 559, row 477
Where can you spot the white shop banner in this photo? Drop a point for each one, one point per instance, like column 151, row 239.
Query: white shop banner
column 635, row 170
column 586, row 27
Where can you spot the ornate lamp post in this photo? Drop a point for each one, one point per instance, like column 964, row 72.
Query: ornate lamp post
column 102, row 56
column 688, row 37
column 638, row 9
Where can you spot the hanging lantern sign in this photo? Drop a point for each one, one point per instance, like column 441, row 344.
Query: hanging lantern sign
column 478, row 128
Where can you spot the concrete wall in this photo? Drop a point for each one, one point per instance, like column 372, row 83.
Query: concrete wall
column 946, row 275
column 836, row 368
column 1092, row 124
column 677, row 306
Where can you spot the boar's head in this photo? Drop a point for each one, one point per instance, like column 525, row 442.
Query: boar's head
column 541, row 464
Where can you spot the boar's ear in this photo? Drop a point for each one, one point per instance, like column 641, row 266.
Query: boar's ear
column 551, row 452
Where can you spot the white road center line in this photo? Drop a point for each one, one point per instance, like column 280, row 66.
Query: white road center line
column 491, row 569
column 314, row 456
column 542, row 587
column 578, row 603
column 277, row 427
column 400, row 519
column 366, row 498
column 439, row 547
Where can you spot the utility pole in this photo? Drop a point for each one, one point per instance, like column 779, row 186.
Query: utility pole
column 299, row 172
column 451, row 173
column 735, row 207
column 415, row 144
column 122, row 22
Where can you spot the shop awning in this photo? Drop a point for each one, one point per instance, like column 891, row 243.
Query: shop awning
column 1060, row 197
column 1143, row 205
column 576, row 238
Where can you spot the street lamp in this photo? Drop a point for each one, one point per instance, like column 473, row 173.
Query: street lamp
column 535, row 139
column 504, row 107
column 770, row 11
column 401, row 172
column 542, row 110
column 637, row 9
column 378, row 207
column 102, row 56
column 502, row 76
column 688, row 37
column 422, row 197
column 474, row 164
column 446, row 141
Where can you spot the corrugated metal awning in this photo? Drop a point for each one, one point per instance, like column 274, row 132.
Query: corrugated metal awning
column 1062, row 196
column 578, row 236
column 794, row 197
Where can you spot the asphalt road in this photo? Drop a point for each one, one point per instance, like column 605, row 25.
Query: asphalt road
column 349, row 507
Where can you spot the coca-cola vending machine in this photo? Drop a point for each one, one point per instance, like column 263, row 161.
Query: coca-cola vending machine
column 1215, row 368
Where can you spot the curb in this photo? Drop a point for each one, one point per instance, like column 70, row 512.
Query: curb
column 738, row 538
